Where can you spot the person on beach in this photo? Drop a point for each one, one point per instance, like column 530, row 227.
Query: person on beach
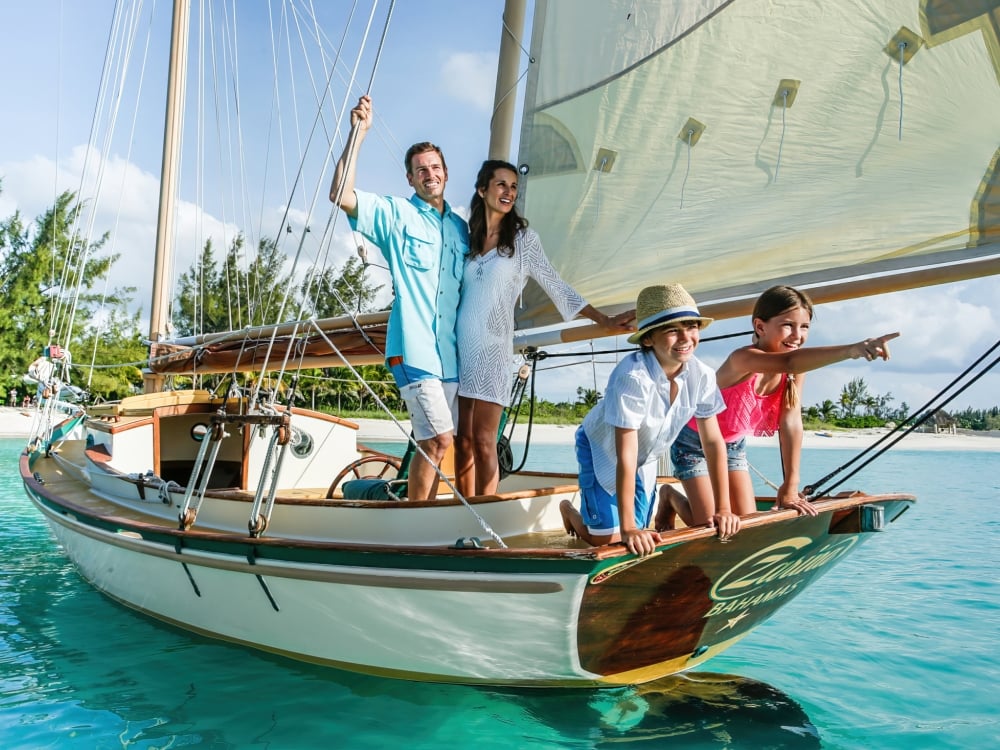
column 424, row 244
column 503, row 254
column 761, row 385
column 651, row 395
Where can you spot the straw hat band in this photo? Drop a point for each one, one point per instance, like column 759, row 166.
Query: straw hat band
column 662, row 305
column 665, row 316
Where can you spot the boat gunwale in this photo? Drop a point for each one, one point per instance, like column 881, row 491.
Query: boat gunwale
column 109, row 521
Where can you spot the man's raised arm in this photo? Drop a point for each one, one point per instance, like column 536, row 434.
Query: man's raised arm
column 342, row 188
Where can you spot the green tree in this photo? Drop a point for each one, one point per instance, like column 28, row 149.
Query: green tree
column 336, row 292
column 118, row 350
column 49, row 272
column 827, row 410
column 213, row 298
column 853, row 397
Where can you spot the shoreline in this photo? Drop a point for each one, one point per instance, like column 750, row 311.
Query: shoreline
column 385, row 430
column 18, row 423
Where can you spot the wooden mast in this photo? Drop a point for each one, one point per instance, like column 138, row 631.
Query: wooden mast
column 176, row 84
column 505, row 97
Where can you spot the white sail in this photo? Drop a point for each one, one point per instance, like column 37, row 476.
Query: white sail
column 814, row 155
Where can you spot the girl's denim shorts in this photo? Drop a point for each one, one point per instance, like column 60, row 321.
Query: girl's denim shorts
column 688, row 458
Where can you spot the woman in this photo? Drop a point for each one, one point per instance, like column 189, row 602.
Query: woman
column 503, row 254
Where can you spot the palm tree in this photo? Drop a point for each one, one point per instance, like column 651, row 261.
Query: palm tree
column 827, row 411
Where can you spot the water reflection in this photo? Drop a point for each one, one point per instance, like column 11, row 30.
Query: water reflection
column 700, row 709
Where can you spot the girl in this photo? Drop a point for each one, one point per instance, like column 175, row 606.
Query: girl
column 762, row 386
column 503, row 253
column 651, row 394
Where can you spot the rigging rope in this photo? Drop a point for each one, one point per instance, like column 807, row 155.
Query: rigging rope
column 327, row 235
column 911, row 423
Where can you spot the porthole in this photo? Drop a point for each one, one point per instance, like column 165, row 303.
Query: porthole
column 301, row 443
column 199, row 431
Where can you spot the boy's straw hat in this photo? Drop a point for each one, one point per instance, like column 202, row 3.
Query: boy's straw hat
column 664, row 304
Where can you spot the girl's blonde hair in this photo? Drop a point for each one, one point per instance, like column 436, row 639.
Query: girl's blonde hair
column 775, row 301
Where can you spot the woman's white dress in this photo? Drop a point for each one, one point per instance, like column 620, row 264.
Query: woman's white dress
column 485, row 330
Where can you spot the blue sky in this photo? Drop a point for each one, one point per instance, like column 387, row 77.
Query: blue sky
column 435, row 81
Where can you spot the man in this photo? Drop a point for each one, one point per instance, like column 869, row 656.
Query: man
column 424, row 244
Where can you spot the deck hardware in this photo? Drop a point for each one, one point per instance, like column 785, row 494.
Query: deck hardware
column 872, row 518
column 468, row 542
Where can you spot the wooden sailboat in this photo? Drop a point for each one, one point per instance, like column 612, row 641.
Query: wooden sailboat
column 221, row 514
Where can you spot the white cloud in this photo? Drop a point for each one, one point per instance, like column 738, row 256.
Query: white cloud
column 470, row 77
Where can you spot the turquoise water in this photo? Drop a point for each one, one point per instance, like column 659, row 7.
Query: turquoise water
column 895, row 648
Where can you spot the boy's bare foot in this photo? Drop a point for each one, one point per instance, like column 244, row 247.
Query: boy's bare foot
column 666, row 519
column 666, row 515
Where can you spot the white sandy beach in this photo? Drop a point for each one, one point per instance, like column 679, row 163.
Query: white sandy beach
column 382, row 430
column 16, row 423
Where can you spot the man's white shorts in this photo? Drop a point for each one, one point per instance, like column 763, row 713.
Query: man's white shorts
column 433, row 407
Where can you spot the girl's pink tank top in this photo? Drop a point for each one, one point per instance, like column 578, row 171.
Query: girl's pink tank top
column 746, row 412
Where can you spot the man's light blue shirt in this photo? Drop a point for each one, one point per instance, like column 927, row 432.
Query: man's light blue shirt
column 425, row 251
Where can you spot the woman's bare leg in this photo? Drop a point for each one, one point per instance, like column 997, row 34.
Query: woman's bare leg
column 465, row 467
column 485, row 424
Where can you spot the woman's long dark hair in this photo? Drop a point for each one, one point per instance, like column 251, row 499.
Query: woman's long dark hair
column 510, row 225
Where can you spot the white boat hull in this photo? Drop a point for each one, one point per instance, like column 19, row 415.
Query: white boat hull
column 419, row 624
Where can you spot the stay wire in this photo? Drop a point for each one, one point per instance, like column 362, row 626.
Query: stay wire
column 911, row 423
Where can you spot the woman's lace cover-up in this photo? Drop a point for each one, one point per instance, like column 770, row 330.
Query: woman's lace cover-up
column 485, row 329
